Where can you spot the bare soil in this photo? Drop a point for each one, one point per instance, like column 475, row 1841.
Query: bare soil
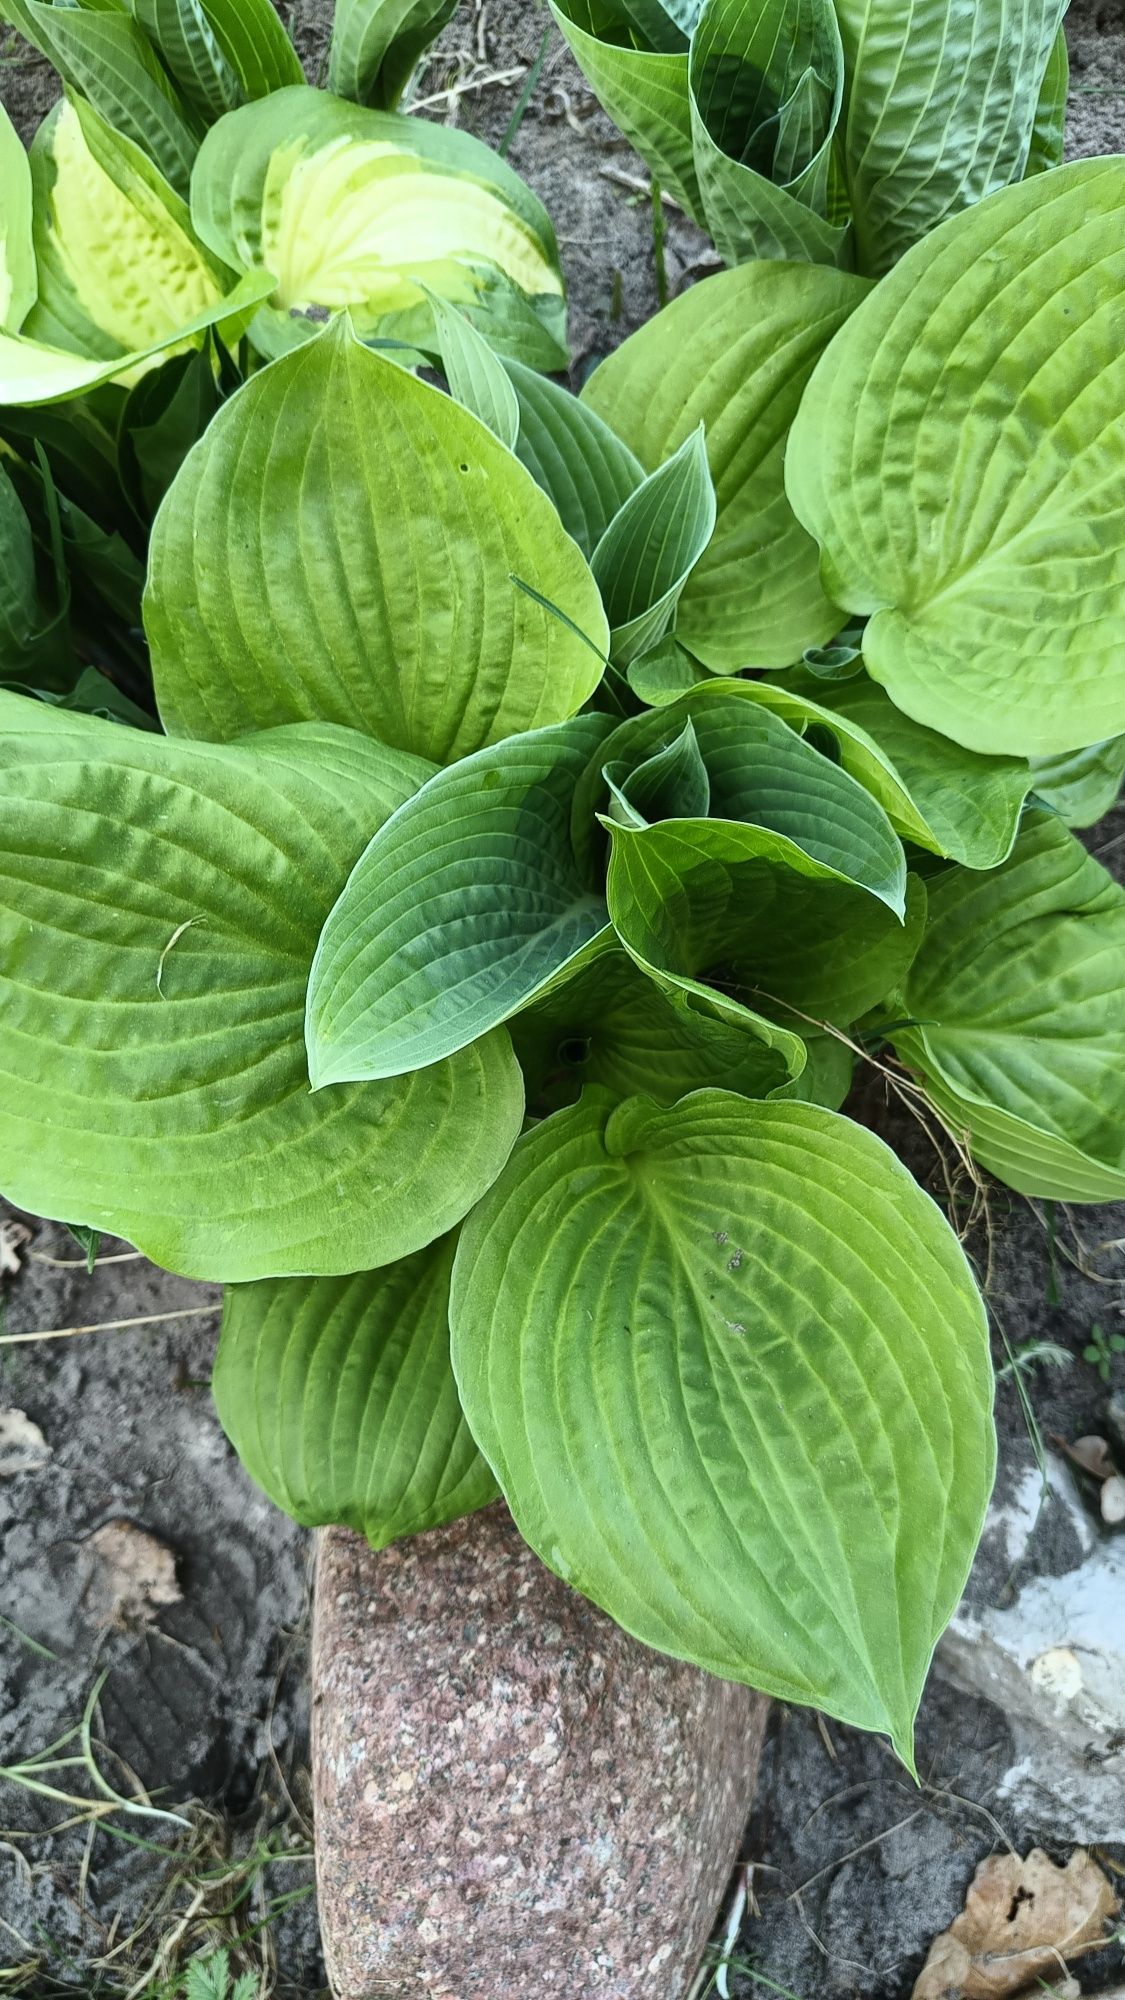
column 855, row 1871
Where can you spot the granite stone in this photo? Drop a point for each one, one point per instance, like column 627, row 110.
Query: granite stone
column 513, row 1797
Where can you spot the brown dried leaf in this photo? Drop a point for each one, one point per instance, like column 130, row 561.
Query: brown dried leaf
column 135, row 1577
column 1021, row 1920
column 1090, row 1454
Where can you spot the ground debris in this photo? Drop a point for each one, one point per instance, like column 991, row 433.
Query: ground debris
column 13, row 1236
column 135, row 1577
column 23, row 1448
column 1022, row 1920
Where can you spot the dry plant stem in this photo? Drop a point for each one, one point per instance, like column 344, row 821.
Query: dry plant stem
column 107, row 1326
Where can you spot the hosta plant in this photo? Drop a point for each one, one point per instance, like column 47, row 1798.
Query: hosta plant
column 840, row 131
column 555, row 799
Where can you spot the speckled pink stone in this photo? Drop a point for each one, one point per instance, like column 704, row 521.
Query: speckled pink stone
column 512, row 1797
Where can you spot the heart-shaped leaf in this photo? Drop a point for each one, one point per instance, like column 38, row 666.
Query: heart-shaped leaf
column 735, row 353
column 1020, row 1035
column 152, row 1075
column 979, row 522
column 369, row 531
column 339, row 1398
column 467, row 903
column 751, row 1413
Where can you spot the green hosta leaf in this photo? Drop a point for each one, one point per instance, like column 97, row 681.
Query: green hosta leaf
column 376, row 45
column 750, row 1415
column 31, row 372
column 982, row 527
column 339, row 1398
column 165, row 414
column 942, row 797
column 665, row 673
column 193, row 54
column 477, row 379
column 762, row 774
column 735, row 353
column 673, row 783
column 120, row 270
column 1083, row 786
column 254, row 44
column 153, row 1066
column 467, row 903
column 1020, row 1036
column 767, row 82
column 646, row 94
column 651, row 547
column 368, row 530
column 21, row 619
column 105, row 54
column 942, row 105
column 1048, row 137
column 749, row 922
column 580, row 463
column 18, row 281
column 610, row 1024
column 358, row 209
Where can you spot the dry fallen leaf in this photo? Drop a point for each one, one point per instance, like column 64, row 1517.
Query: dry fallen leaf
column 1089, row 1454
column 23, row 1448
column 13, row 1236
column 1021, row 1920
column 135, row 1577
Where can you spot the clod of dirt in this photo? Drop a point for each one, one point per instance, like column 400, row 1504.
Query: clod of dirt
column 23, row 1448
column 13, row 1236
column 1021, row 1921
column 135, row 1575
column 1113, row 1501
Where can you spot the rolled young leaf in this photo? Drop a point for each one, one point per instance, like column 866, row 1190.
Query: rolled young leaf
column 221, row 52
column 152, row 1075
column 338, row 1396
column 469, row 901
column 651, row 547
column 942, row 104
column 476, row 377
column 981, row 528
column 1020, row 1035
column 735, row 354
column 1048, row 137
column 750, row 1415
column 579, row 461
column 368, row 531
column 358, row 209
column 18, row 280
column 645, row 91
column 377, row 44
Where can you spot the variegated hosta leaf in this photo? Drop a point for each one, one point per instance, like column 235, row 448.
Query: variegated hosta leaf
column 376, row 45
column 18, row 282
column 652, row 546
column 468, row 903
column 943, row 101
column 152, row 1071
column 359, row 209
column 735, row 354
column 1020, row 1028
column 338, row 1396
column 750, row 1415
column 120, row 269
column 369, row 531
column 983, row 528
column 103, row 53
column 612, row 1025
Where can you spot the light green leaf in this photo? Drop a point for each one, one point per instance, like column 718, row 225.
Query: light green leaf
column 1084, row 785
column 338, row 1396
column 1020, row 1036
column 751, row 1413
column 761, row 773
column 192, row 53
column 982, row 527
column 645, row 93
column 152, row 1075
column 368, row 530
column 1048, row 137
column 105, row 54
column 120, row 270
column 650, row 548
column 580, row 463
column 32, row 372
column 477, row 379
column 664, row 673
column 767, row 82
column 361, row 210
column 18, row 280
column 467, row 903
column 942, row 105
column 610, row 1024
column 735, row 353
column 377, row 44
